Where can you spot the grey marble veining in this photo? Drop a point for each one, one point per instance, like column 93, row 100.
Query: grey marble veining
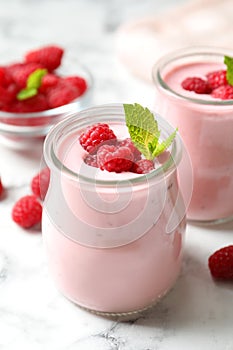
column 197, row 312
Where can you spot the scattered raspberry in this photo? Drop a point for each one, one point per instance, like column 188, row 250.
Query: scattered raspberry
column 95, row 135
column 113, row 158
column 49, row 56
column 61, row 95
column 223, row 92
column 216, row 79
column 21, row 71
column 78, row 82
column 197, row 85
column 91, row 159
column 142, row 166
column 40, row 183
column 128, row 143
column 1, row 188
column 48, row 81
column 221, row 263
column 27, row 211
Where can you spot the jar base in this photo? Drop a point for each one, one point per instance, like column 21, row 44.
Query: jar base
column 210, row 222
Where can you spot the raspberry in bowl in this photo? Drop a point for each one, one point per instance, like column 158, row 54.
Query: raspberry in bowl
column 113, row 221
column 194, row 91
column 37, row 91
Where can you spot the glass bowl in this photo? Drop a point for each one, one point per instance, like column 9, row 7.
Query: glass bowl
column 22, row 130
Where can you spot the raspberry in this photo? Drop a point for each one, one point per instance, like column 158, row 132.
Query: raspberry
column 27, row 211
column 48, row 56
column 40, row 183
column 224, row 92
column 216, row 78
column 48, row 81
column 91, row 159
column 113, row 158
column 7, row 94
column 78, row 82
column 128, row 143
column 33, row 104
column 95, row 135
column 142, row 166
column 221, row 263
column 197, row 85
column 5, row 77
column 1, row 188
column 61, row 95
column 21, row 71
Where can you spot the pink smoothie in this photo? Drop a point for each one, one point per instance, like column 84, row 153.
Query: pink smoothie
column 110, row 249
column 207, row 131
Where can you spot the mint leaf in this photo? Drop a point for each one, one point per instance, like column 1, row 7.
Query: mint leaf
column 144, row 132
column 26, row 93
column 33, row 84
column 229, row 63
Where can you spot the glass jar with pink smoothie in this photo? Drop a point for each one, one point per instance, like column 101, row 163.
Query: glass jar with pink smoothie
column 113, row 240
column 205, row 122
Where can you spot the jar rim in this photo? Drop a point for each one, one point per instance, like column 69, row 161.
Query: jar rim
column 185, row 53
column 113, row 111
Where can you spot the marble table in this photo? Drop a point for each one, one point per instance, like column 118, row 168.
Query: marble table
column 198, row 312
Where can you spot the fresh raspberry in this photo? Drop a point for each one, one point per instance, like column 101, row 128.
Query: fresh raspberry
column 142, row 166
column 95, row 135
column 197, row 85
column 21, row 71
column 113, row 158
column 48, row 81
column 33, row 104
column 61, row 95
column 216, row 78
column 91, row 159
column 224, row 92
column 27, row 211
column 128, row 143
column 49, row 56
column 5, row 77
column 1, row 188
column 40, row 183
column 7, row 94
column 221, row 263
column 78, row 82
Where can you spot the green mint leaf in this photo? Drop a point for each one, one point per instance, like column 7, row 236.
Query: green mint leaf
column 35, row 78
column 161, row 147
column 143, row 128
column 144, row 132
column 33, row 84
column 229, row 63
column 26, row 93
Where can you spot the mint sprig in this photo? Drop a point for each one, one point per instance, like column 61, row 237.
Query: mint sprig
column 144, row 131
column 229, row 63
column 33, row 84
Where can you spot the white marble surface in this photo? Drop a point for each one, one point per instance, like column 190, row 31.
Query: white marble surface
column 198, row 312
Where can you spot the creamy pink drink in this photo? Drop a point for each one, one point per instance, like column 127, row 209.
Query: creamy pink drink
column 206, row 126
column 114, row 240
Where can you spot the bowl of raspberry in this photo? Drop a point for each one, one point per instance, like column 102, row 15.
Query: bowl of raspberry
column 39, row 90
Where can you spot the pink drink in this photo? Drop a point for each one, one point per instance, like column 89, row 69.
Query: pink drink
column 114, row 241
column 206, row 125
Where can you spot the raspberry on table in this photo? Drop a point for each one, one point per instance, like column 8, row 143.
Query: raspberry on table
column 128, row 143
column 142, row 166
column 27, row 211
column 91, row 159
column 217, row 78
column 95, row 135
column 49, row 56
column 40, row 183
column 224, row 92
column 198, row 85
column 221, row 263
column 114, row 159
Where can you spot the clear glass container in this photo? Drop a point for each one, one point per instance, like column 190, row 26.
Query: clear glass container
column 114, row 241
column 206, row 126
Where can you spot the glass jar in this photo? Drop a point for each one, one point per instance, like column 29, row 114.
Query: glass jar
column 206, row 126
column 114, row 241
